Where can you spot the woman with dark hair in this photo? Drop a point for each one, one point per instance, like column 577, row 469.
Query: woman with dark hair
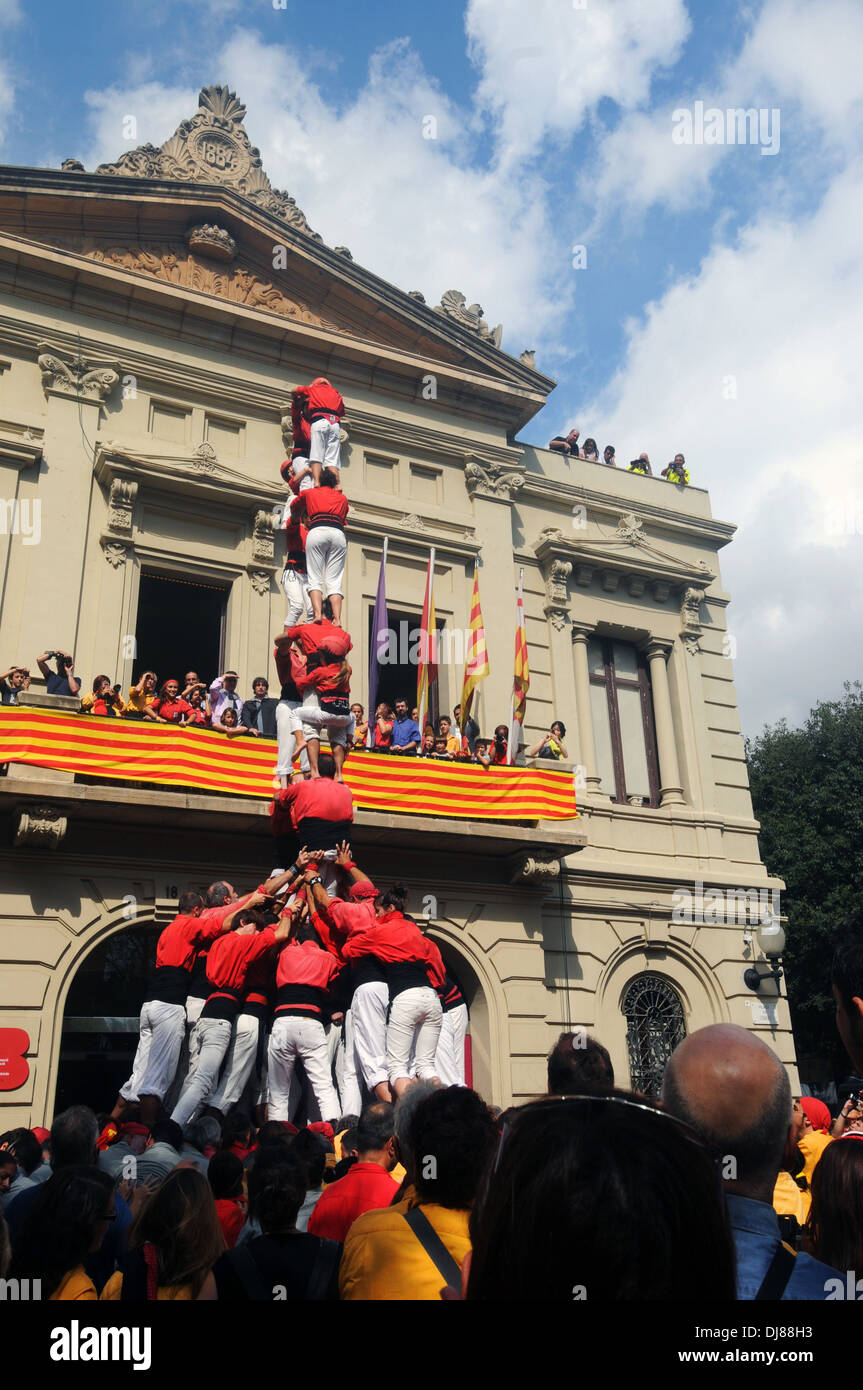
column 552, row 745
column 104, row 700
column 603, row 1198
column 67, row 1221
column 590, row 451
column 834, row 1231
column 282, row 1263
column 175, row 1240
column 169, row 705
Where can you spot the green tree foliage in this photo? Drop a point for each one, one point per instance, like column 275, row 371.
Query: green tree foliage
column 807, row 790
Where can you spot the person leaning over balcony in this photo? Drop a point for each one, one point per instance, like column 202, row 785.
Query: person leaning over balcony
column 103, row 700
column 229, row 724
column 142, row 697
column 565, row 444
column 590, row 451
column 641, row 465
column 551, row 745
column 62, row 681
column 608, row 456
column 481, row 752
column 676, row 471
column 12, row 682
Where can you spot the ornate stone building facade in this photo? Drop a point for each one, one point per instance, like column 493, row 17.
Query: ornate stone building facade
column 153, row 318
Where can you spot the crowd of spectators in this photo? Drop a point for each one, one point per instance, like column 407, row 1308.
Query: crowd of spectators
column 674, row 472
column 589, row 1192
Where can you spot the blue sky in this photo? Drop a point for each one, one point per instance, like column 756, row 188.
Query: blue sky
column 721, row 306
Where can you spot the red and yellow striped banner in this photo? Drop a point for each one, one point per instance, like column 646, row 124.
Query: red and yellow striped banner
column 133, row 751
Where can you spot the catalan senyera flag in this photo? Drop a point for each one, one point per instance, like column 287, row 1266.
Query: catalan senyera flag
column 183, row 758
column 521, row 679
column 476, row 659
column 427, row 667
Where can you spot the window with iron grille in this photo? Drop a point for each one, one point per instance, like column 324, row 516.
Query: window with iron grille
column 655, row 1024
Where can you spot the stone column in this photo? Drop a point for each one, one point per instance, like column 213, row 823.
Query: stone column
column 586, row 741
column 670, row 790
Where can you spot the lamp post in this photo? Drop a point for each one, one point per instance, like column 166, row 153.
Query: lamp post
column 770, row 936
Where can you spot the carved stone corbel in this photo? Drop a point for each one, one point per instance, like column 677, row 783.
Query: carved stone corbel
column 263, row 537
column 115, row 552
column 70, row 374
column 690, row 620
column 556, row 573
column 121, row 500
column 491, row 480
column 42, row 827
column 260, row 580
column 530, row 868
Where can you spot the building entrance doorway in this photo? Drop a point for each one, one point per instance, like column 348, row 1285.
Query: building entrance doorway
column 397, row 670
column 180, row 627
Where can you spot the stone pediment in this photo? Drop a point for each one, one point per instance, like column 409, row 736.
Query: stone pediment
column 196, row 471
column 626, row 555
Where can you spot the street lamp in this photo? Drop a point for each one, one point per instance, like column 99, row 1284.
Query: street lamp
column 770, row 936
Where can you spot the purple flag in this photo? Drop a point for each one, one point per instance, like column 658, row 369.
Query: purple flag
column 380, row 639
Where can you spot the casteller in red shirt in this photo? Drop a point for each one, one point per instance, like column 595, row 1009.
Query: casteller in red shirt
column 365, row 1187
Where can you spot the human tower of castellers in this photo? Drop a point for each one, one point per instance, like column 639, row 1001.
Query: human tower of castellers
column 353, row 998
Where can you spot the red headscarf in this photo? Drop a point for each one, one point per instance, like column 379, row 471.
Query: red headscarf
column 816, row 1113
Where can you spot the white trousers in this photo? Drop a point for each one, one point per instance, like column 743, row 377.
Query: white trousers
column 340, row 727
column 415, row 1018
column 449, row 1058
column 326, row 550
column 288, row 723
column 335, row 1052
column 162, row 1028
column 351, row 1096
column 210, row 1041
column 306, row 1038
column 296, row 586
column 239, row 1063
column 325, row 447
column 369, row 1018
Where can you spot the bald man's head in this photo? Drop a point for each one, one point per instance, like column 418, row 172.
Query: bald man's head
column 730, row 1087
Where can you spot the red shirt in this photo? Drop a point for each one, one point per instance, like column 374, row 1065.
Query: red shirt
column 383, row 740
column 232, row 1218
column 365, row 1187
column 305, row 963
column 172, row 709
column 231, row 956
column 394, row 939
column 321, row 799
column 349, row 917
column 323, row 637
column 178, row 945
column 320, row 398
column 325, row 507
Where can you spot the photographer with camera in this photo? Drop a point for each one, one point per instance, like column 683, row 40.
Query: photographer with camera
column 500, row 747
column 63, row 681
column 104, row 700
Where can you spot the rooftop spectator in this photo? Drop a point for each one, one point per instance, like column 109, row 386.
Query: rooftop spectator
column 590, row 451
column 578, row 1063
column 63, row 681
column 103, row 700
column 608, row 456
column 406, row 733
column 392, row 1254
column 223, row 696
column 66, row 1222
column 282, row 1262
column 676, row 471
column 367, row 1184
column 259, row 713
column 174, row 1242
column 641, row 465
column 565, row 444
column 551, row 745
column 12, row 682
column 600, row 1197
column 142, row 697
column 728, row 1086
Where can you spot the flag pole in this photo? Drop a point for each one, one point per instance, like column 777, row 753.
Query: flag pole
column 375, row 643
column 511, row 752
column 427, row 609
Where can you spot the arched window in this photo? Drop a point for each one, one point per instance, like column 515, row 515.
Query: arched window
column 655, row 1024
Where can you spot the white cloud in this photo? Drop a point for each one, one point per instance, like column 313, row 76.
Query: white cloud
column 10, row 12
column 778, row 313
column 122, row 118
column 545, row 67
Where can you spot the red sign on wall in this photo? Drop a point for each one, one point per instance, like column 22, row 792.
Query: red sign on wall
column 14, row 1067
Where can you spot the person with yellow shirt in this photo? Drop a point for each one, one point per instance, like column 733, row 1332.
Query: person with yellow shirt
column 412, row 1252
column 142, row 696
column 66, row 1222
column 444, row 730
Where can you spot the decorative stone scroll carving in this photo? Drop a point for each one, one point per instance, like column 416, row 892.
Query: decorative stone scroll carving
column 411, row 522
column 556, row 575
column 120, row 503
column 529, row 868
column 491, row 480
column 42, row 826
column 69, row 374
column 527, row 358
column 260, row 581
column 558, row 618
column 263, row 532
column 455, row 306
column 204, row 458
column 343, row 251
column 691, row 620
column 213, row 147
column 631, row 528
column 115, row 552
column 213, row 241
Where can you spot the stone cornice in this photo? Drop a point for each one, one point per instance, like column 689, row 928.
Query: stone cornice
column 628, row 554
column 195, row 472
column 607, row 504
column 20, row 445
